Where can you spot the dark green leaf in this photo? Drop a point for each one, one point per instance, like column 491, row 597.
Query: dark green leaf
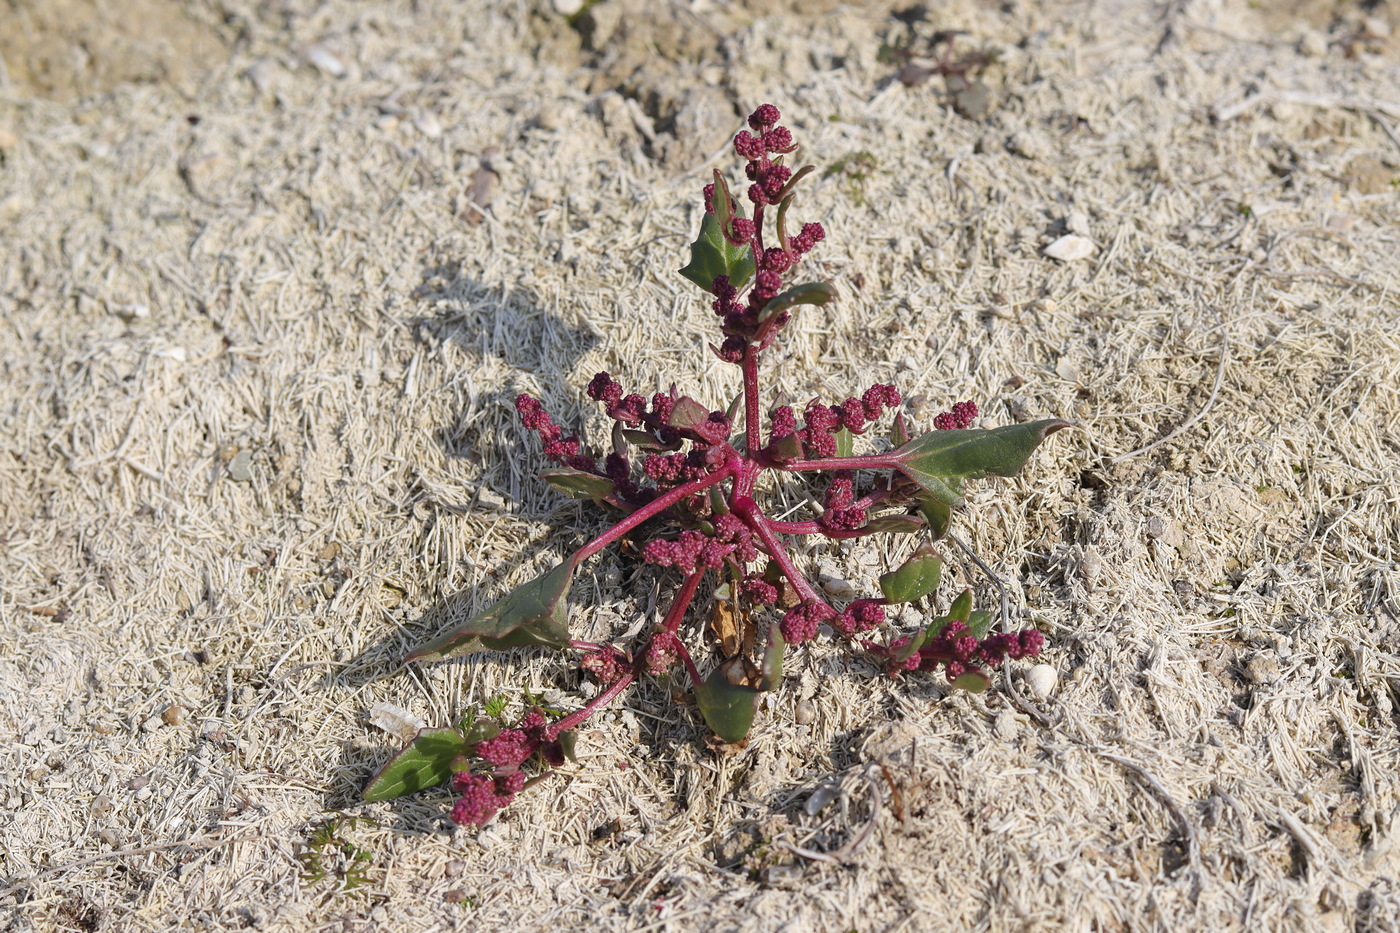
column 979, row 621
column 568, row 741
column 940, row 460
column 915, row 578
column 937, row 513
column 812, row 293
column 534, row 613
column 972, row 682
column 899, row 431
column 894, row 524
column 576, row 484
column 481, row 730
column 711, row 255
column 728, row 708
column 646, row 441
column 425, row 762
column 772, row 666
column 962, row 607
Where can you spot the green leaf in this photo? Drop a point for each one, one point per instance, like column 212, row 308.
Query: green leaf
column 979, row 621
column 937, row 513
column 534, row 613
column 845, row 443
column 915, row 578
column 962, row 607
column 899, row 431
column 894, row 524
column 481, row 730
column 711, row 255
column 812, row 293
column 568, row 742
column 972, row 682
column 772, row 666
column 425, row 762
column 576, row 484
column 648, row 442
column 941, row 460
column 728, row 708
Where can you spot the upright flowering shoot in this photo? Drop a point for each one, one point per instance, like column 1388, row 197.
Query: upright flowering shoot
column 685, row 478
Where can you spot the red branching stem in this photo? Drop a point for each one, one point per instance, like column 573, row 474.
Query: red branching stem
column 650, row 510
column 682, row 602
column 868, row 462
column 746, row 509
column 690, row 669
column 602, row 699
column 753, row 428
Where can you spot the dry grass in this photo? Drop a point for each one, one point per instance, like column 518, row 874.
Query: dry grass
column 203, row 279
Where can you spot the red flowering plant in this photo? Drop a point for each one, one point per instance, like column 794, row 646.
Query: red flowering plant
column 690, row 479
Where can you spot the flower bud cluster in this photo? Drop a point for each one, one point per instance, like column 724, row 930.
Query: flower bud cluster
column 818, row 434
column 562, row 450
column 962, row 415
column 800, row 623
column 959, row 651
column 692, row 549
column 771, row 184
column 481, row 795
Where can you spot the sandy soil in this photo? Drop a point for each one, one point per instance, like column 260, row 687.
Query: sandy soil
column 271, row 272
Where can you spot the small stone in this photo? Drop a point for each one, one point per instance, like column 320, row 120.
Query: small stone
column 173, row 715
column 841, row 589
column 1375, row 27
column 1312, row 43
column 1262, row 670
column 240, row 468
column 428, row 124
column 101, row 805
column 1030, row 145
column 568, row 7
column 1006, row 725
column 805, row 713
column 1078, row 222
column 1041, row 680
column 110, row 837
column 1070, row 248
column 324, row 60
column 454, row 868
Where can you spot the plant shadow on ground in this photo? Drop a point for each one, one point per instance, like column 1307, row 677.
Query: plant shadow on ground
column 504, row 327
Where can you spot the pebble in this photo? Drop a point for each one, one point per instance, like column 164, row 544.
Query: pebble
column 240, row 468
column 1006, row 726
column 568, row 7
column 324, row 60
column 428, row 124
column 1312, row 43
column 173, row 715
column 1041, row 680
column 1071, row 247
column 841, row 589
column 1030, row 145
column 806, row 712
column 1078, row 222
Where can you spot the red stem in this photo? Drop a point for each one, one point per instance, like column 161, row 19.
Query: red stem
column 578, row 716
column 868, row 462
column 650, row 510
column 763, row 527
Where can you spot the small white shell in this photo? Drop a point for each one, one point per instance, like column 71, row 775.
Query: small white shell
column 1071, row 247
column 395, row 720
column 1041, row 680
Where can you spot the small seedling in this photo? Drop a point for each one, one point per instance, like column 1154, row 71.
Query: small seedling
column 693, row 482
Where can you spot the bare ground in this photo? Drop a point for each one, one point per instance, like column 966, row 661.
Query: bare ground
column 257, row 348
